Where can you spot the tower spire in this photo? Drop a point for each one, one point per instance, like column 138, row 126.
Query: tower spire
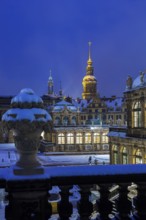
column 89, row 67
column 60, row 91
column 89, row 43
column 50, row 73
column 50, row 84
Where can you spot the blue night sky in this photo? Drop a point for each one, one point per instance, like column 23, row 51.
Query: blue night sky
column 39, row 35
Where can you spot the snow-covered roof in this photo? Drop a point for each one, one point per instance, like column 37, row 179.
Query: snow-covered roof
column 63, row 104
column 115, row 105
column 137, row 82
column 83, row 103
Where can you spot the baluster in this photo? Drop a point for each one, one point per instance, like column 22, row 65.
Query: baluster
column 104, row 204
column 140, row 201
column 64, row 206
column 85, row 207
column 124, row 205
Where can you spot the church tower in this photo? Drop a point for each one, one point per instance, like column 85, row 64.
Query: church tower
column 50, row 85
column 89, row 81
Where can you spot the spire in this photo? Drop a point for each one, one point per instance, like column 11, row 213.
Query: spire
column 50, row 77
column 60, row 91
column 89, row 67
column 89, row 43
column 89, row 62
column 50, row 84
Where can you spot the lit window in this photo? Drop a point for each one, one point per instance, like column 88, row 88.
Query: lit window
column 138, row 157
column 137, row 114
column 96, row 137
column 115, row 154
column 87, row 138
column 61, row 138
column 79, row 138
column 104, row 138
column 70, row 138
column 124, row 156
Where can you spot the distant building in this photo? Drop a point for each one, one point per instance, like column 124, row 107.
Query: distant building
column 79, row 125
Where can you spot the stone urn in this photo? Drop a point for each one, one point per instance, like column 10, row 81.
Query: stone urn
column 27, row 118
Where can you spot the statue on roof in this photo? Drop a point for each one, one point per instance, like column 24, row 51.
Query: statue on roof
column 142, row 77
column 129, row 82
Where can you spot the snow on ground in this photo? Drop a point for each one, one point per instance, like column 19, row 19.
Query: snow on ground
column 8, row 156
column 74, row 159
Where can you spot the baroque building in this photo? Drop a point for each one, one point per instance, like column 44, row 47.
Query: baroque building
column 79, row 125
column 127, row 145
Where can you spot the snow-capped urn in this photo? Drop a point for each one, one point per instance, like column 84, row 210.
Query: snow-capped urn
column 27, row 118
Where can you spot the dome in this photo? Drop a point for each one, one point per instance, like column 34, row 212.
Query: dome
column 89, row 78
column 140, row 81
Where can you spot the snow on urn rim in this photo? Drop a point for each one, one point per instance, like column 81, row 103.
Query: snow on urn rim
column 27, row 106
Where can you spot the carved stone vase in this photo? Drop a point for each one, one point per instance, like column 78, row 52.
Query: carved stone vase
column 27, row 119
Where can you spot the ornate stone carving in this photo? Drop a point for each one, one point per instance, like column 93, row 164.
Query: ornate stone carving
column 129, row 82
column 27, row 119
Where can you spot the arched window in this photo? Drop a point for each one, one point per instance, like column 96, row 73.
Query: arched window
column 87, row 138
column 138, row 156
column 65, row 120
column 136, row 114
column 61, row 138
column 70, row 138
column 57, row 121
column 96, row 138
column 104, row 138
column 115, row 154
column 73, row 120
column 124, row 156
column 79, row 138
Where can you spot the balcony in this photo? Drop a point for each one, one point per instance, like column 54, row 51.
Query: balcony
column 105, row 192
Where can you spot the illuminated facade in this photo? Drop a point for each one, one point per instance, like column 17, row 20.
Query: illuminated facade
column 129, row 145
column 71, row 134
column 79, row 124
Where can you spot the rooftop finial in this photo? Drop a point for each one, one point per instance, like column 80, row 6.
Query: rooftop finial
column 89, row 43
column 50, row 72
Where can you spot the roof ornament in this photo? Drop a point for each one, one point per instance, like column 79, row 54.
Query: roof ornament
column 89, row 43
column 89, row 62
column 142, row 77
column 50, row 77
column 129, row 82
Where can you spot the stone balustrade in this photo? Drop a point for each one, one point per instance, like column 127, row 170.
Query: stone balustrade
column 105, row 190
